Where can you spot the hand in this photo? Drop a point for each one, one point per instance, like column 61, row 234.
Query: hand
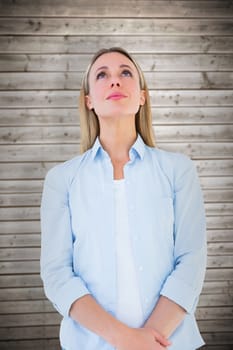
column 141, row 339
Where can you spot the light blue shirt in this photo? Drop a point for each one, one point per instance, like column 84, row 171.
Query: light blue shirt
column 167, row 229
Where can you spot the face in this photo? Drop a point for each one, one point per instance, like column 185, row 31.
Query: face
column 114, row 88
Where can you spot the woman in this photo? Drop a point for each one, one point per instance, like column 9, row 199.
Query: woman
column 123, row 224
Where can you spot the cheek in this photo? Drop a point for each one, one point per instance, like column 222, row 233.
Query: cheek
column 98, row 91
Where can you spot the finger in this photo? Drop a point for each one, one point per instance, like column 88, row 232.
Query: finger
column 161, row 339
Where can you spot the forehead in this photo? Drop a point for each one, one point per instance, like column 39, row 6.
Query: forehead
column 112, row 59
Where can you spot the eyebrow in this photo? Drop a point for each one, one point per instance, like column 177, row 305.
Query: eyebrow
column 121, row 66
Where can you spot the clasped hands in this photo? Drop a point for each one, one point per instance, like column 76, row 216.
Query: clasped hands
column 142, row 339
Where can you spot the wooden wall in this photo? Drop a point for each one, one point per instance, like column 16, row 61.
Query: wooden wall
column 186, row 51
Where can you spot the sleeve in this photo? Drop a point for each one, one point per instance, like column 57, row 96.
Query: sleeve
column 184, row 283
column 62, row 286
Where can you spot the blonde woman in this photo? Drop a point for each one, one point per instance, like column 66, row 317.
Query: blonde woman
column 123, row 224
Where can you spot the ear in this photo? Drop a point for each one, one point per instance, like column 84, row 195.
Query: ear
column 88, row 102
column 142, row 97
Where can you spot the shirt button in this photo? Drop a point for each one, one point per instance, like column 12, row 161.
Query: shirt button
column 147, row 300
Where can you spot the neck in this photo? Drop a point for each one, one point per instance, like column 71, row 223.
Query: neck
column 117, row 137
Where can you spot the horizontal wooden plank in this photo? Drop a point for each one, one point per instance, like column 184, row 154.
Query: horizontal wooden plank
column 62, row 152
column 25, row 153
column 20, row 254
column 112, row 26
column 32, row 170
column 220, row 248
column 35, row 344
column 215, row 326
column 71, row 134
column 21, row 281
column 213, row 313
column 200, row 150
column 20, row 199
column 17, row 175
column 148, row 62
column 105, row 8
column 34, row 332
column 220, row 261
column 22, row 186
column 56, row 134
column 213, row 183
column 218, row 338
column 220, row 235
column 161, row 115
column 219, row 274
column 217, row 287
column 218, row 347
column 219, row 222
column 211, row 167
column 18, row 227
column 155, row 80
column 15, row 294
column 134, row 44
column 25, row 320
column 19, row 267
column 216, row 300
column 25, row 307
column 23, row 213
column 191, row 115
column 20, row 240
column 159, row 98
column 218, row 202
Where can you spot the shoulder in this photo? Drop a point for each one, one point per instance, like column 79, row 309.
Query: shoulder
column 173, row 164
column 62, row 175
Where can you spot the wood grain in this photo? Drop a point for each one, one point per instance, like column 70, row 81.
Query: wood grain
column 185, row 49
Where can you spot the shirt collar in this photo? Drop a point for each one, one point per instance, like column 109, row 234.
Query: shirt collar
column 138, row 147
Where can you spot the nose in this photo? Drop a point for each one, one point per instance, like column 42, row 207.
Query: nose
column 115, row 81
column 115, row 84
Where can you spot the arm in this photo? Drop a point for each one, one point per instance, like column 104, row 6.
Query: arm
column 180, row 292
column 62, row 286
column 91, row 315
column 165, row 317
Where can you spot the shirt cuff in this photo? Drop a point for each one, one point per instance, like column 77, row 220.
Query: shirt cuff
column 68, row 294
column 180, row 292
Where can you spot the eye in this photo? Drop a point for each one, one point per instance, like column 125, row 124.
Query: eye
column 127, row 73
column 100, row 75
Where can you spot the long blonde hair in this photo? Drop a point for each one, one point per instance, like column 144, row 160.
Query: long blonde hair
column 89, row 122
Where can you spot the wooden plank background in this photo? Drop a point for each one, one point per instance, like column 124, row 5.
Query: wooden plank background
column 186, row 51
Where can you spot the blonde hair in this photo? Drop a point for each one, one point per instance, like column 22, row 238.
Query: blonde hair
column 89, row 122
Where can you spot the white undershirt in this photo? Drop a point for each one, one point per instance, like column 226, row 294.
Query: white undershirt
column 129, row 309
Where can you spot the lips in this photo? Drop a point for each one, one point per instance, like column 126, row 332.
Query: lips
column 116, row 96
